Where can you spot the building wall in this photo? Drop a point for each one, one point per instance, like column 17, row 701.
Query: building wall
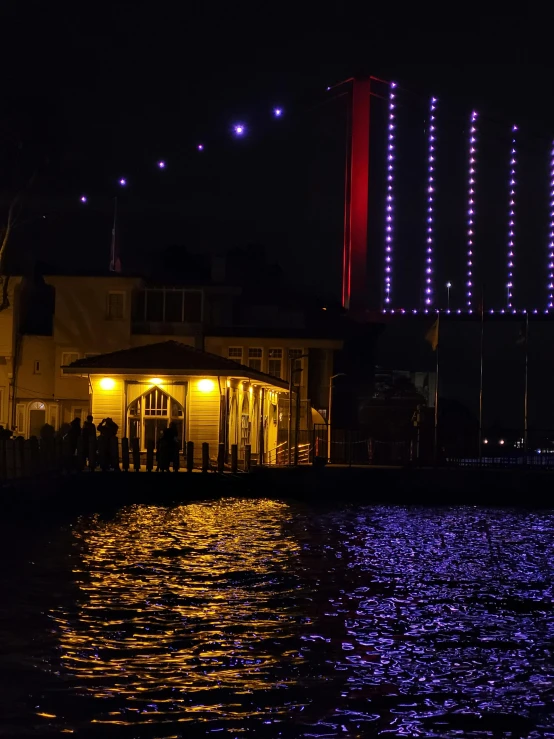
column 109, row 402
column 204, row 413
column 7, row 338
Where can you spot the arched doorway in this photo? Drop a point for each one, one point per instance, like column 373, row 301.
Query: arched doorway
column 37, row 417
column 152, row 412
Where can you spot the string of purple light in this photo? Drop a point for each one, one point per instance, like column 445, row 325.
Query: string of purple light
column 550, row 303
column 389, row 213
column 472, row 178
column 239, row 130
column 430, row 238
column 511, row 220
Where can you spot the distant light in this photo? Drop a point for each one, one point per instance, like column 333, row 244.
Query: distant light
column 156, row 381
column 239, row 129
column 107, row 383
column 449, row 285
column 83, row 198
column 161, row 165
column 200, row 147
column 501, row 442
column 206, row 386
column 485, row 441
column 277, row 112
column 123, row 182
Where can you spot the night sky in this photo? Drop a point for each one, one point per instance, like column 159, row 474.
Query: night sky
column 102, row 91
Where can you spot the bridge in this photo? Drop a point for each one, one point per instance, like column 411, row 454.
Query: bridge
column 480, row 207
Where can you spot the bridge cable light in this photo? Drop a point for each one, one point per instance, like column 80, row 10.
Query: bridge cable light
column 550, row 284
column 510, row 252
column 430, row 219
column 471, row 182
column 389, row 208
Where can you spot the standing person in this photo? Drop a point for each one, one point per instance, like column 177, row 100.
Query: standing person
column 108, row 429
column 89, row 441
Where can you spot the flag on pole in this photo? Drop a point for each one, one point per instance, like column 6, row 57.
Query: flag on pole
column 432, row 336
column 115, row 262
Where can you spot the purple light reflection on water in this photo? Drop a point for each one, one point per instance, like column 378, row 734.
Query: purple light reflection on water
column 415, row 621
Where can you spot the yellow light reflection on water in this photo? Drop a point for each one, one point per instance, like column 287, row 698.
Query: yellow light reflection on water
column 183, row 610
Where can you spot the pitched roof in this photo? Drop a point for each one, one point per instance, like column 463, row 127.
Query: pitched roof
column 168, row 357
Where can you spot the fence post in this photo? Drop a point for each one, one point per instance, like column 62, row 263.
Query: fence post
column 234, row 458
column 27, row 466
column 247, row 457
column 150, row 455
column 2, row 459
column 34, row 453
column 10, row 459
column 114, row 452
column 125, row 454
column 190, row 456
column 205, row 456
column 221, row 457
column 18, row 455
column 176, row 461
column 135, row 448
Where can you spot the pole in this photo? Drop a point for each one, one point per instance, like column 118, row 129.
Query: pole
column 329, row 421
column 113, row 255
column 448, row 298
column 436, row 435
column 289, row 435
column 481, row 378
column 525, row 404
column 297, row 425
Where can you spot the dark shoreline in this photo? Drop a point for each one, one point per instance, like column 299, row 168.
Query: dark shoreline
column 88, row 492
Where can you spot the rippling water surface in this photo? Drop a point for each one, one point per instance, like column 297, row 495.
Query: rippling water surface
column 261, row 618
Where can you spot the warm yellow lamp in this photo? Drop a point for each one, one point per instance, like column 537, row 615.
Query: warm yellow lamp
column 107, row 383
column 206, row 386
column 156, row 381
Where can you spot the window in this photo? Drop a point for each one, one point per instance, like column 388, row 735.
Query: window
column 69, row 358
column 275, row 364
column 116, row 306
column 78, row 412
column 235, row 353
column 255, row 356
column 36, row 367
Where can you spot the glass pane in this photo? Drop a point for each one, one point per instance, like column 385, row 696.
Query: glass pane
column 153, row 428
column 174, row 306
column 275, row 367
column 154, row 305
column 193, row 306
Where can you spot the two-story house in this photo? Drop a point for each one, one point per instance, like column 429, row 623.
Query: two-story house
column 59, row 319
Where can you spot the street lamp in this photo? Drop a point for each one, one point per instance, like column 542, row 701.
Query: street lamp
column 448, row 286
column 339, row 374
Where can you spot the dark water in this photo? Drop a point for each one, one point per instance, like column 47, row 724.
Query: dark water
column 258, row 618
